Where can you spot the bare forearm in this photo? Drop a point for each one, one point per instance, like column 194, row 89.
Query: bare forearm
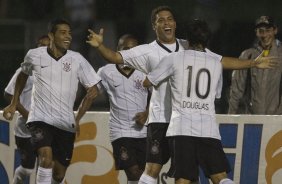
column 236, row 64
column 20, row 84
column 109, row 55
column 22, row 110
column 87, row 101
column 147, row 83
column 84, row 106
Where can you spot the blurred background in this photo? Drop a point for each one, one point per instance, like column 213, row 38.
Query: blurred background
column 23, row 21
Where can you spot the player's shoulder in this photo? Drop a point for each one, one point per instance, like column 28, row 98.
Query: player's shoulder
column 213, row 55
column 37, row 51
column 106, row 69
column 72, row 53
column 18, row 70
column 139, row 49
column 183, row 43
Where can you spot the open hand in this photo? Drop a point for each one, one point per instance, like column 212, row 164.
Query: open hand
column 266, row 62
column 94, row 39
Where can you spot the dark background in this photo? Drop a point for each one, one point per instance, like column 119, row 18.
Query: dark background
column 23, row 21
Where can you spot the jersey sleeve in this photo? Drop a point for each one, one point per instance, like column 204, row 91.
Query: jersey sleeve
column 101, row 85
column 217, row 56
column 87, row 75
column 162, row 71
column 219, row 87
column 27, row 65
column 137, row 57
column 11, row 85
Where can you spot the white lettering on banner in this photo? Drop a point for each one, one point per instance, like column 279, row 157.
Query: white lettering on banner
column 93, row 161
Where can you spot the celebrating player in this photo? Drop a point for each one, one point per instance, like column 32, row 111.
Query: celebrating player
column 145, row 58
column 22, row 134
column 128, row 113
column 51, row 120
column 195, row 78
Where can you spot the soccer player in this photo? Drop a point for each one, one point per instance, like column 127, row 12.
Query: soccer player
column 195, row 78
column 145, row 58
column 51, row 120
column 22, row 134
column 128, row 113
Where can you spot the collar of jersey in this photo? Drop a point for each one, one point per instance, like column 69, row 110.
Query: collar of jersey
column 123, row 73
column 165, row 48
column 50, row 53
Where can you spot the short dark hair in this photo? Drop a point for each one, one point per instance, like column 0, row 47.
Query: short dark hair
column 198, row 32
column 52, row 27
column 124, row 37
column 159, row 9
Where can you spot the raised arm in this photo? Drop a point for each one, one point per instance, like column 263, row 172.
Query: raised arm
column 9, row 111
column 96, row 41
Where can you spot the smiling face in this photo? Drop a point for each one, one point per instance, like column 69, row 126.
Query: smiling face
column 266, row 35
column 61, row 38
column 164, row 27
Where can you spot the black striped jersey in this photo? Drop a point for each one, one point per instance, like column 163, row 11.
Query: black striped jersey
column 145, row 58
column 127, row 97
column 195, row 80
column 55, row 85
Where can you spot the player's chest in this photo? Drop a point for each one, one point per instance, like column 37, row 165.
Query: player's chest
column 122, row 84
column 49, row 66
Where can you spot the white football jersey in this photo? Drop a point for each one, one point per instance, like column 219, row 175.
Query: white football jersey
column 145, row 58
column 127, row 97
column 20, row 129
column 196, row 80
column 55, row 85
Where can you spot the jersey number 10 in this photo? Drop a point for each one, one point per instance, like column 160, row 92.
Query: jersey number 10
column 201, row 71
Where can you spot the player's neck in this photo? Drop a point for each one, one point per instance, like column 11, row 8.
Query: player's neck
column 56, row 53
column 167, row 42
column 126, row 69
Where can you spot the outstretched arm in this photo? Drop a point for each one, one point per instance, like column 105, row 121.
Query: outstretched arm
column 96, row 41
column 237, row 64
column 9, row 111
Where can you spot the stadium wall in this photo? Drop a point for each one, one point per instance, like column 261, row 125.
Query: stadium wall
column 253, row 145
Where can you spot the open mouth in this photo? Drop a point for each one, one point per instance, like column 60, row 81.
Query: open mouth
column 168, row 30
column 67, row 42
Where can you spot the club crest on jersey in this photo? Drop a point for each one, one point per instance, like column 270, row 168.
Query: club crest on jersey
column 138, row 84
column 67, row 66
column 123, row 153
column 155, row 149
